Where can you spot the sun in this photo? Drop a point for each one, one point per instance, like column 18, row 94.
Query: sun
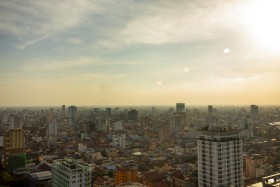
column 262, row 18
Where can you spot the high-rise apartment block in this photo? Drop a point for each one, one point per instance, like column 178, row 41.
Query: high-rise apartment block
column 145, row 121
column 13, row 144
column 210, row 110
column 50, row 114
column 220, row 160
column 15, row 121
column 63, row 110
column 71, row 173
column 132, row 114
column 108, row 111
column 72, row 115
column 164, row 133
column 180, row 107
column 254, row 112
column 119, row 139
column 51, row 129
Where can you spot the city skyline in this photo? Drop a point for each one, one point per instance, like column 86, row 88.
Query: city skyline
column 139, row 52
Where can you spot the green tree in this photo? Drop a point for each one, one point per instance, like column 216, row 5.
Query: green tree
column 5, row 177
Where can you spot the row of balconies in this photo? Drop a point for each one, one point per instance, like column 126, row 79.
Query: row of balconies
column 220, row 146
column 224, row 151
column 235, row 183
column 210, row 178
column 221, row 167
column 207, row 161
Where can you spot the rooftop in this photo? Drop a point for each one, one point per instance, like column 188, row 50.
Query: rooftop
column 219, row 128
column 38, row 176
column 73, row 165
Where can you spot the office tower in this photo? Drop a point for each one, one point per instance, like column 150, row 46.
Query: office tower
column 145, row 121
column 13, row 146
column 180, row 107
column 119, row 139
column 108, row 111
column 210, row 110
column 118, row 126
column 15, row 121
column 71, row 173
column 179, row 120
column 176, row 122
column 89, row 127
column 63, row 110
column 254, row 112
column 51, row 129
column 164, row 133
column 220, row 161
column 126, row 172
column 132, row 114
column 50, row 114
column 72, row 115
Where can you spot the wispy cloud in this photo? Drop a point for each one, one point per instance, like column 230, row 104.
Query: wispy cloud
column 57, row 65
column 34, row 21
column 169, row 22
column 74, row 41
column 239, row 79
column 89, row 76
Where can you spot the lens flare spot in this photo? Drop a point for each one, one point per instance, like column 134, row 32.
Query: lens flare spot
column 159, row 83
column 226, row 50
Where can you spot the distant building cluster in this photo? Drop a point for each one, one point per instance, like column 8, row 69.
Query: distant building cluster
column 178, row 146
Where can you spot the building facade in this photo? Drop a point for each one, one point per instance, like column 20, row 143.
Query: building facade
column 126, row 172
column 15, row 122
column 251, row 164
column 220, row 161
column 180, row 107
column 51, row 129
column 254, row 112
column 13, row 144
column 119, row 139
column 71, row 173
column 72, row 115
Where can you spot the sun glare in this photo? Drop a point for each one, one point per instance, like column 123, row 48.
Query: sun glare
column 262, row 18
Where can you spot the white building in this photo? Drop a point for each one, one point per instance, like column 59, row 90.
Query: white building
column 119, row 139
column 51, row 129
column 71, row 173
column 220, row 160
column 82, row 148
column 118, row 126
column 15, row 121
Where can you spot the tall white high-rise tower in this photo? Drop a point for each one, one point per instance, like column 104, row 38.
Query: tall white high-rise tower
column 220, row 159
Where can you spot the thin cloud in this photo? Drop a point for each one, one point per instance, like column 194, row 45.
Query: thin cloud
column 239, row 79
column 34, row 21
column 57, row 65
column 88, row 76
column 176, row 23
column 74, row 41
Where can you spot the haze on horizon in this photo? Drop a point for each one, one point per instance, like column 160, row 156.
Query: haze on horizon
column 129, row 52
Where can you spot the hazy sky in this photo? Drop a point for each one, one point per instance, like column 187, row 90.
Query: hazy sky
column 127, row 52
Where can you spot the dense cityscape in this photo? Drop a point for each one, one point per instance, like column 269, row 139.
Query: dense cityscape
column 139, row 93
column 177, row 146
